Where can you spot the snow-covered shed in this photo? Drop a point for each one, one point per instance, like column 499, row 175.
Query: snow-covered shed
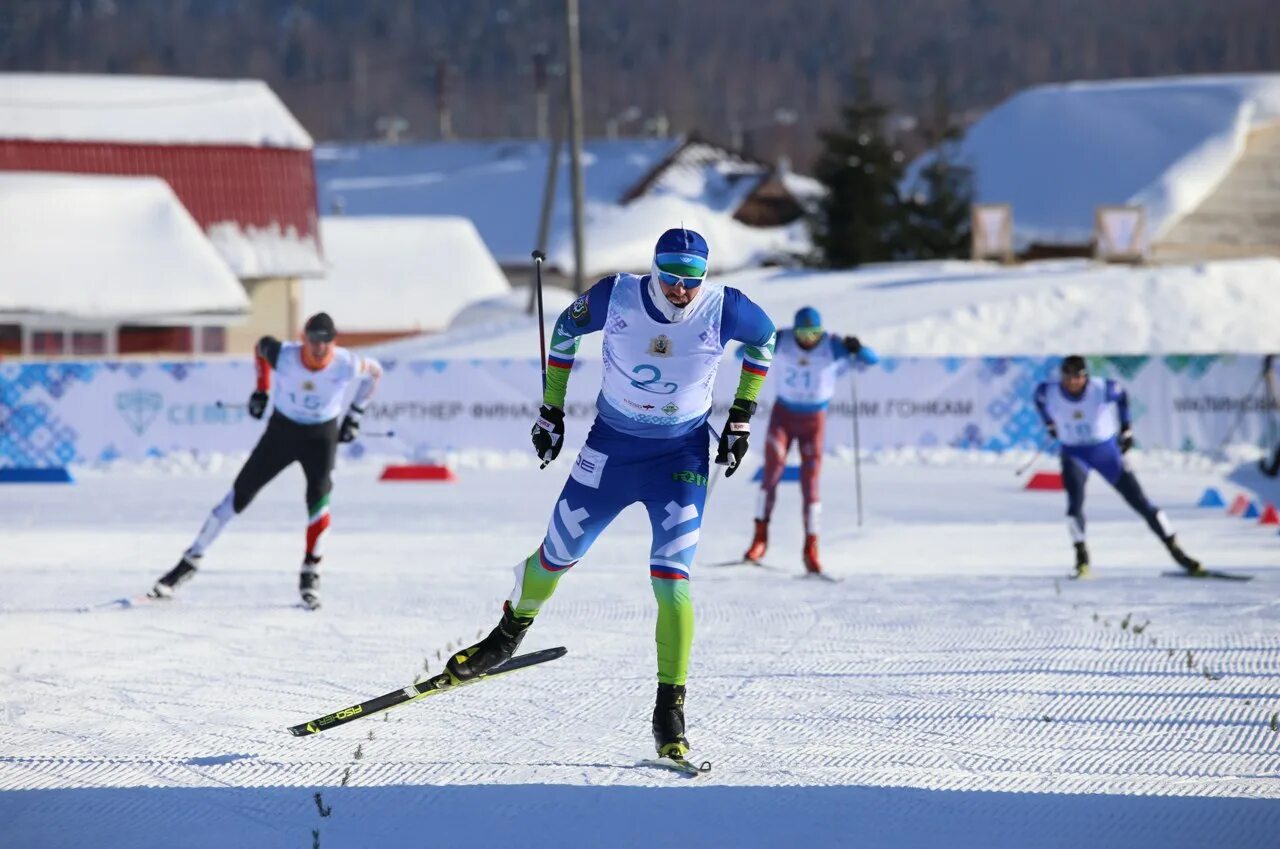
column 234, row 155
column 1200, row 154
column 391, row 276
column 93, row 264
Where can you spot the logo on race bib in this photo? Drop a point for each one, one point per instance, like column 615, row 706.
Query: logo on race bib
column 660, row 346
column 139, row 408
column 307, row 386
column 670, row 409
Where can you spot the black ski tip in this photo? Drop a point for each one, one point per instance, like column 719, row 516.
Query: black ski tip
column 1208, row 574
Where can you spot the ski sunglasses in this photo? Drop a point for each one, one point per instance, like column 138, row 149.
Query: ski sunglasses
column 681, row 269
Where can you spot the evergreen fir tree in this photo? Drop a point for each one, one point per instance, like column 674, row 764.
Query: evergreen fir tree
column 937, row 207
column 861, row 218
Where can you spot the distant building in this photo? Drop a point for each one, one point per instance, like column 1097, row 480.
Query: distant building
column 499, row 186
column 232, row 153
column 1199, row 154
column 395, row 276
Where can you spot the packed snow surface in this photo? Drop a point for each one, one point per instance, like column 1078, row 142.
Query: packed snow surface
column 956, row 308
column 953, row 690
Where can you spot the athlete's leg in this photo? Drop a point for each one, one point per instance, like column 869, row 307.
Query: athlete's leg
column 317, row 453
column 812, row 441
column 1075, row 471
column 777, row 443
column 599, row 486
column 675, row 494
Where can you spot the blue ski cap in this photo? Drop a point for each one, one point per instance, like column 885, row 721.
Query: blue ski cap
column 681, row 257
column 807, row 318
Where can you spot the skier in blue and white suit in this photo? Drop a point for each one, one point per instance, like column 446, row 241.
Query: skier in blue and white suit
column 664, row 335
column 1090, row 419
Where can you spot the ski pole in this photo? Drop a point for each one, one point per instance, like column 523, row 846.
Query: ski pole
column 1036, row 456
column 538, row 258
column 857, row 445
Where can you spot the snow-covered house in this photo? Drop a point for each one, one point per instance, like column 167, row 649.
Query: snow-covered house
column 93, row 265
column 634, row 189
column 232, row 153
column 1199, row 154
column 388, row 276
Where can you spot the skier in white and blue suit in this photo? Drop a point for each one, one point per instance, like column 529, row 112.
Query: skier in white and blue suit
column 1089, row 416
column 664, row 335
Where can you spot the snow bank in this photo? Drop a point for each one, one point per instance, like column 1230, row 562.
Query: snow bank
column 404, row 273
column 107, row 248
column 956, row 308
column 1057, row 151
column 146, row 110
column 621, row 238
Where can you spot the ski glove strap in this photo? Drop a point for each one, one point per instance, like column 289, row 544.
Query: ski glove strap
column 733, row 439
column 548, row 433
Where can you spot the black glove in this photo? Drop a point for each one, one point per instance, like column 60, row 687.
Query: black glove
column 733, row 439
column 1126, row 440
column 852, row 345
column 350, row 427
column 257, row 404
column 548, row 433
column 1052, row 429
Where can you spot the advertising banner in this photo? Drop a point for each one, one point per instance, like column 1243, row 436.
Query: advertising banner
column 87, row 412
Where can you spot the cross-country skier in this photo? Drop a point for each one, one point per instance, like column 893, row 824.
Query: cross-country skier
column 664, row 334
column 808, row 362
column 1089, row 417
column 312, row 378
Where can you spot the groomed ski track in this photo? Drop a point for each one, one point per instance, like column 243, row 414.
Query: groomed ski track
column 954, row 690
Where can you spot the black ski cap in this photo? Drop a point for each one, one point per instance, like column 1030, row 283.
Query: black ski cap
column 1074, row 366
column 320, row 328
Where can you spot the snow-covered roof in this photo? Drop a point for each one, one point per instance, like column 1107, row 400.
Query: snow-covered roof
column 401, row 273
column 621, row 238
column 107, row 248
column 146, row 110
column 956, row 308
column 1055, row 152
column 496, row 184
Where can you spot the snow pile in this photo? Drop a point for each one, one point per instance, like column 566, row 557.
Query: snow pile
column 1057, row 151
column 107, row 247
column 146, row 110
column 405, row 273
column 1045, row 308
column 958, row 308
column 500, row 327
column 621, row 238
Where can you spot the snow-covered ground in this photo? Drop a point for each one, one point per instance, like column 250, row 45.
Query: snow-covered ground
column 953, row 690
column 956, row 308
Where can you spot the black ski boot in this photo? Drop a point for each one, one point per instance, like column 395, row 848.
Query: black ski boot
column 493, row 650
column 1082, row 561
column 668, row 722
column 1186, row 561
column 309, row 582
column 174, row 578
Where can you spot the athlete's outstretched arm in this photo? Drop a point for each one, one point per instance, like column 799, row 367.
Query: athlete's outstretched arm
column 265, row 355
column 745, row 322
column 583, row 316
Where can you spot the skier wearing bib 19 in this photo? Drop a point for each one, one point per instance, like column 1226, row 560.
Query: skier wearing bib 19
column 1089, row 416
column 808, row 363
column 312, row 378
column 664, row 334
